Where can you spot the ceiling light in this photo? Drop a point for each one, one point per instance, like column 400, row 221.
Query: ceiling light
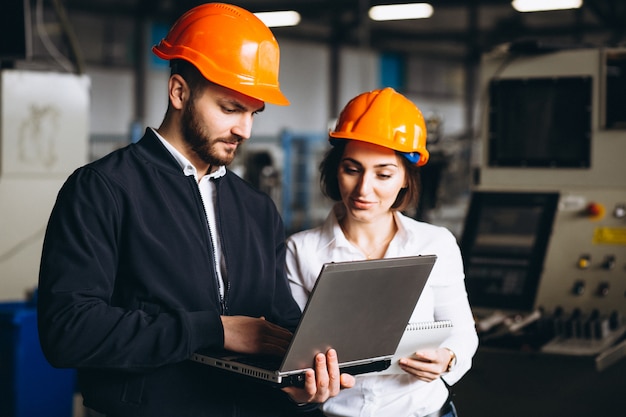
column 275, row 19
column 543, row 5
column 401, row 11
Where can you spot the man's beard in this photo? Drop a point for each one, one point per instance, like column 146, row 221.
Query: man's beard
column 196, row 136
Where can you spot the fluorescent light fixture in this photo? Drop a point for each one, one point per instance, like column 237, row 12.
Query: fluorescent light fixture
column 401, row 11
column 276, row 19
column 544, row 5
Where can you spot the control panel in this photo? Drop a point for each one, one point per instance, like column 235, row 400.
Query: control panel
column 545, row 237
column 585, row 263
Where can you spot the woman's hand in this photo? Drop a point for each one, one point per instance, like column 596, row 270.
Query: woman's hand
column 427, row 365
column 322, row 382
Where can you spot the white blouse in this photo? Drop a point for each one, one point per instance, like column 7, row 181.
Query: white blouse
column 443, row 298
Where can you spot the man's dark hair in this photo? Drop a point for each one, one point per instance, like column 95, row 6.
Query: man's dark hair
column 192, row 76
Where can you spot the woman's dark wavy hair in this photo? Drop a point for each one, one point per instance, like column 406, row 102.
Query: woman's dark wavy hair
column 329, row 183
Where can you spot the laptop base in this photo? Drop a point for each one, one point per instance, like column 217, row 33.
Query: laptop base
column 297, row 380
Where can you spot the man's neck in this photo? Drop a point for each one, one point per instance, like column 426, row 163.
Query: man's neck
column 176, row 140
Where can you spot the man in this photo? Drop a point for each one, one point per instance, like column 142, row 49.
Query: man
column 156, row 250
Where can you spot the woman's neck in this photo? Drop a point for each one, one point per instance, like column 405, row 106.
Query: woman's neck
column 371, row 238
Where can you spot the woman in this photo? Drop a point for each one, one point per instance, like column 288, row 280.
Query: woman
column 372, row 172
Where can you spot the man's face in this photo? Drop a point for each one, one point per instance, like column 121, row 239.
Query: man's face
column 215, row 121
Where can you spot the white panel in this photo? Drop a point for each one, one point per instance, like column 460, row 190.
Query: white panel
column 25, row 205
column 43, row 123
column 607, row 168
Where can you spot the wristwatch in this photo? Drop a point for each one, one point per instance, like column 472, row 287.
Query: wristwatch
column 452, row 360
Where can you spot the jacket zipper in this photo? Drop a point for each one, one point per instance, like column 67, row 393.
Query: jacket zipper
column 225, row 279
column 213, row 254
column 222, row 298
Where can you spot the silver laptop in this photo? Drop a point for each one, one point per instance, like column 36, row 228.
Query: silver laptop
column 359, row 308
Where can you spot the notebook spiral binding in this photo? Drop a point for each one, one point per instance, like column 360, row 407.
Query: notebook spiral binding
column 426, row 325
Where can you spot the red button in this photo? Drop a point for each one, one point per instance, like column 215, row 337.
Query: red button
column 595, row 210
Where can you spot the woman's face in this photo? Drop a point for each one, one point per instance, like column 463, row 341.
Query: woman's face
column 370, row 178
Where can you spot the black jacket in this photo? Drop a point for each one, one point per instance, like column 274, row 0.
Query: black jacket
column 128, row 291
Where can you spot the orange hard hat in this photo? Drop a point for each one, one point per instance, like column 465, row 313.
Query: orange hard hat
column 385, row 117
column 230, row 46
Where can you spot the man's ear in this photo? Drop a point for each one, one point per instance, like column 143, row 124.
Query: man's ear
column 178, row 91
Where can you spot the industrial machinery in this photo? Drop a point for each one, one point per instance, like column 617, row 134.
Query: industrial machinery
column 303, row 205
column 44, row 136
column 544, row 241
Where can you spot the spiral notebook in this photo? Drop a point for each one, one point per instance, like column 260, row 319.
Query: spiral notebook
column 418, row 335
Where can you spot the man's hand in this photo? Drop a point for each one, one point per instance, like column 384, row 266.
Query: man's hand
column 254, row 336
column 322, row 382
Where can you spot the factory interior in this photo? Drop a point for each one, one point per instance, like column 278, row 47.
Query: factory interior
column 526, row 117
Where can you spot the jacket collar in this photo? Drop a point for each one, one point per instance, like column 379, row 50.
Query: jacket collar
column 185, row 165
column 151, row 148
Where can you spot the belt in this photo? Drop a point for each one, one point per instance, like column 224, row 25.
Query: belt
column 445, row 409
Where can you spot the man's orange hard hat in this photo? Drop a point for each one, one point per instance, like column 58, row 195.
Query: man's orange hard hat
column 230, row 46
